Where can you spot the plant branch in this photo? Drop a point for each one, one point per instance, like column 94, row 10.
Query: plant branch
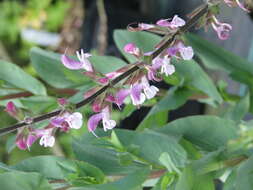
column 166, row 44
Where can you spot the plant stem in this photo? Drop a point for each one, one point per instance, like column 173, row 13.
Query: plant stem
column 133, row 69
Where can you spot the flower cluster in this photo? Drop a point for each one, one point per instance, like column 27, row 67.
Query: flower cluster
column 26, row 136
column 137, row 86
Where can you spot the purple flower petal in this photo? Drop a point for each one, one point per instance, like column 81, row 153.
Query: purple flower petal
column 70, row 63
column 93, row 121
column 121, row 96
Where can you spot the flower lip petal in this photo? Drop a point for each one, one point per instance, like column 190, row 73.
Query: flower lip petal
column 70, row 63
column 93, row 121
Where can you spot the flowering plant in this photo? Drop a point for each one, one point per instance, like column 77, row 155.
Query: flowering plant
column 189, row 153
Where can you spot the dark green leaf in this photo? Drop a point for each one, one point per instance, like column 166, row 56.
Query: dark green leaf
column 208, row 132
column 130, row 182
column 23, row 181
column 172, row 100
column 45, row 165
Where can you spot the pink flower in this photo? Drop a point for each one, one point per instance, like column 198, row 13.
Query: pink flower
column 174, row 24
column 62, row 101
column 131, row 48
column 25, row 141
column 67, row 121
column 106, row 121
column 11, row 109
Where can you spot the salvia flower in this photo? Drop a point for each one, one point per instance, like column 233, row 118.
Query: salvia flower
column 175, row 23
column 68, row 120
column 11, row 109
column 136, row 94
column 167, row 68
column 103, row 116
column 46, row 137
column 149, row 90
column 83, row 62
column 222, row 29
column 24, row 141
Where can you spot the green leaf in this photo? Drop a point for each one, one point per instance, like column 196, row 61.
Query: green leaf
column 174, row 98
column 189, row 180
column 87, row 149
column 144, row 40
column 106, row 64
column 207, row 132
column 14, row 75
column 39, row 104
column 45, row 165
column 81, row 173
column 215, row 57
column 152, row 144
column 239, row 110
column 244, row 175
column 130, row 182
column 200, row 81
column 11, row 143
column 23, row 181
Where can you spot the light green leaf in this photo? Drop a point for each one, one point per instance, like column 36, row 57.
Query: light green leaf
column 14, row 75
column 23, row 181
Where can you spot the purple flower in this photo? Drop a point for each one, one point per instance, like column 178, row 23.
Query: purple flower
column 175, row 23
column 186, row 52
column 67, row 121
column 46, row 137
column 149, row 90
column 106, row 121
column 167, row 68
column 83, row 58
column 62, row 101
column 83, row 62
column 143, row 26
column 25, row 141
column 222, row 29
column 136, row 94
column 11, row 109
column 121, row 96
